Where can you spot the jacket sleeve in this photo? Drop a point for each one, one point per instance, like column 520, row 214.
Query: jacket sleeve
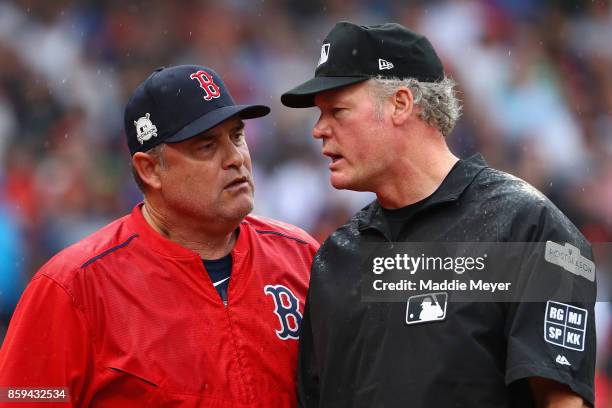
column 47, row 343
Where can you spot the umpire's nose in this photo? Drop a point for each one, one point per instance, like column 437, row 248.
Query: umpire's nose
column 321, row 128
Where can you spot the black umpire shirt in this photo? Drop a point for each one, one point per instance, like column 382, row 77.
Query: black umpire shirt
column 364, row 354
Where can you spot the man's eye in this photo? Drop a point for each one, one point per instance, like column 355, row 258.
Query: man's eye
column 337, row 111
column 239, row 136
column 206, row 146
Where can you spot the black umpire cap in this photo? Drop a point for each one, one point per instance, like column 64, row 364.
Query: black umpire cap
column 353, row 53
column 174, row 104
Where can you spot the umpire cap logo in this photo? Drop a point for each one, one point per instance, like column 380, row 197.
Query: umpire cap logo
column 324, row 53
column 430, row 307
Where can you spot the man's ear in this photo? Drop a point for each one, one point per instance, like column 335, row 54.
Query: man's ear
column 403, row 105
column 147, row 168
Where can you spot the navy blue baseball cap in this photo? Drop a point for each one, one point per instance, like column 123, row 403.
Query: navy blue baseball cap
column 174, row 104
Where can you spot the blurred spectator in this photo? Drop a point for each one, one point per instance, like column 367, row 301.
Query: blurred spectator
column 12, row 267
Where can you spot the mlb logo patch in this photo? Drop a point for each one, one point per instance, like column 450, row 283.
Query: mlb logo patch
column 565, row 325
column 430, row 307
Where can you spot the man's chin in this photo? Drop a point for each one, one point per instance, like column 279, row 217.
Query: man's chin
column 240, row 210
column 340, row 183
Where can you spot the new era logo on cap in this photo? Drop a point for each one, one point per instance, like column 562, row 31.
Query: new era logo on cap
column 177, row 103
column 382, row 64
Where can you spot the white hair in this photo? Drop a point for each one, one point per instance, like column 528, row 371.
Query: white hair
column 440, row 106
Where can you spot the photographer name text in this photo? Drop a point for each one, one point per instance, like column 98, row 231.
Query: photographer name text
column 445, row 285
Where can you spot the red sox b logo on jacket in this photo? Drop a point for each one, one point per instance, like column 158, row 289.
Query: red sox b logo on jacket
column 207, row 84
column 287, row 309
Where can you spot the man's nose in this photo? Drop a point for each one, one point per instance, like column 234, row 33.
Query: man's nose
column 234, row 156
column 321, row 129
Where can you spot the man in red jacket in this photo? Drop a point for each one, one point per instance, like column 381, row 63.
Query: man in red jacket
column 187, row 301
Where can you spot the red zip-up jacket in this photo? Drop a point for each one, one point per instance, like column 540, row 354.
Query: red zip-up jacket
column 126, row 317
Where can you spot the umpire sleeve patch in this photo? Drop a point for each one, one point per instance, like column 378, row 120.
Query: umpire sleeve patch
column 569, row 258
column 565, row 325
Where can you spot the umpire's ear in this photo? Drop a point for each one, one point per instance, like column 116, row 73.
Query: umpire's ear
column 403, row 105
column 146, row 168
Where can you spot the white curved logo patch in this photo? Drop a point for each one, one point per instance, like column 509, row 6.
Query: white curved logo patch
column 145, row 129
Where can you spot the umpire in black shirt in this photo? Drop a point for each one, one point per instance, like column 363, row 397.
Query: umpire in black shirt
column 386, row 109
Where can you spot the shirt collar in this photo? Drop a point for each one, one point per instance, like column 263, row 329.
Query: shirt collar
column 451, row 188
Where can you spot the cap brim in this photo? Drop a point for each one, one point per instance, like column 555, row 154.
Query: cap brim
column 302, row 96
column 213, row 118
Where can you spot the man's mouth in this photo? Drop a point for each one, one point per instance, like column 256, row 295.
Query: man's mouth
column 335, row 157
column 237, row 182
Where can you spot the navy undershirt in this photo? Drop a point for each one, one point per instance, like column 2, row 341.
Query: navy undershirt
column 219, row 271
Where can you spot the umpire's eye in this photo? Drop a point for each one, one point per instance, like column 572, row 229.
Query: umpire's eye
column 337, row 111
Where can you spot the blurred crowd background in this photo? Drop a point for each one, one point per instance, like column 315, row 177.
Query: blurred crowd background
column 535, row 77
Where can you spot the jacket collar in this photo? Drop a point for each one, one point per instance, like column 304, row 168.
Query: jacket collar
column 451, row 188
column 161, row 245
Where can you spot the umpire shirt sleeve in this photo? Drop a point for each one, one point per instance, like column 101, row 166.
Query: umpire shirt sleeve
column 552, row 335
column 47, row 343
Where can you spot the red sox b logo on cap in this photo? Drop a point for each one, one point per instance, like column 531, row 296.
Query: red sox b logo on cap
column 207, row 84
